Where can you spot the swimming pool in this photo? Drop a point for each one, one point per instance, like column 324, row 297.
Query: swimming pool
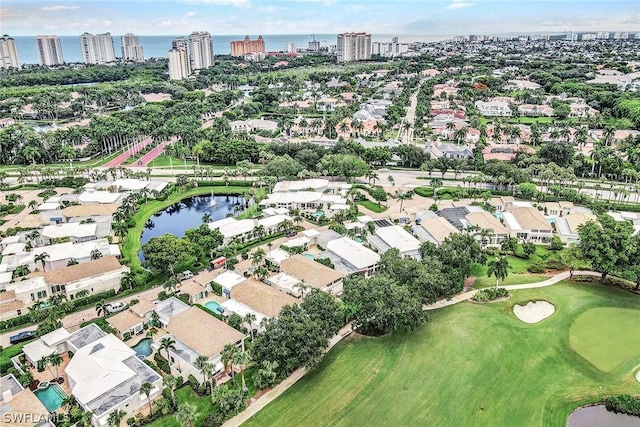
column 307, row 255
column 51, row 397
column 498, row 215
column 214, row 306
column 143, row 348
column 318, row 213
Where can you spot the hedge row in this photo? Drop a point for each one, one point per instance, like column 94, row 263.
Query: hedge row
column 490, row 294
column 624, row 403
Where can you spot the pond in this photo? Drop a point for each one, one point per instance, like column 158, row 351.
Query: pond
column 597, row 416
column 188, row 213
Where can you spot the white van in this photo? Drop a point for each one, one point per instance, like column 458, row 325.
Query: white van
column 115, row 307
column 185, row 275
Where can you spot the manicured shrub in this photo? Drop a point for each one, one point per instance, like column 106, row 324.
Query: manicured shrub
column 536, row 268
column 213, row 419
column 624, row 403
column 490, row 294
column 424, row 191
column 556, row 264
column 126, row 336
column 163, row 364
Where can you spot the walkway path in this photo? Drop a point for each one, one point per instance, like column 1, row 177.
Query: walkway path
column 151, row 155
column 255, row 406
column 550, row 281
column 270, row 395
column 128, row 153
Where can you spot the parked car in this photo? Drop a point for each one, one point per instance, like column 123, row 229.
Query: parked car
column 185, row 275
column 22, row 337
column 291, row 233
column 115, row 307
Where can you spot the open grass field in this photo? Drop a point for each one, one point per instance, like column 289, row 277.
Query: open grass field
column 470, row 365
column 606, row 348
column 372, row 206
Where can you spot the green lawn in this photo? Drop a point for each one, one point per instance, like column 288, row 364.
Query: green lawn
column 372, row 206
column 512, row 279
column 606, row 348
column 471, row 365
column 186, row 394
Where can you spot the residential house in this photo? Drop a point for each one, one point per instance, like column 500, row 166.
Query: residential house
column 105, row 375
column 79, row 213
column 449, row 151
column 433, row 229
column 94, row 276
column 196, row 333
column 394, row 236
column 567, row 226
column 74, row 232
column 21, row 407
column 487, row 229
column 493, row 108
column 264, row 299
column 350, row 256
column 133, row 319
column 313, row 273
column 227, row 281
column 10, row 306
column 528, row 224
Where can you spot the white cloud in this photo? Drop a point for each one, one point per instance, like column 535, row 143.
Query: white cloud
column 235, row 3
column 107, row 23
column 458, row 5
column 189, row 14
column 59, row 7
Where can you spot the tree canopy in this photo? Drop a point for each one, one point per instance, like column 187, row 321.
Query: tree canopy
column 164, row 253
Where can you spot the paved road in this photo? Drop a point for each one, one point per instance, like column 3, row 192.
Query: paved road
column 128, row 153
column 72, row 321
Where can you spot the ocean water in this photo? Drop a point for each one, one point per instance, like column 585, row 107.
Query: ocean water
column 158, row 46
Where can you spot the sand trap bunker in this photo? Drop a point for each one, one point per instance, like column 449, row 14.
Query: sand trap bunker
column 534, row 312
column 638, row 376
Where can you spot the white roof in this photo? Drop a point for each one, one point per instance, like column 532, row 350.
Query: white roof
column 98, row 197
column 339, row 207
column 521, row 204
column 277, row 255
column 13, row 248
column 353, row 252
column 129, row 184
column 311, row 233
column 273, row 220
column 298, row 241
column 68, row 250
column 37, row 349
column 287, row 282
column 296, row 197
column 241, row 309
column 6, row 277
column 511, row 221
column 11, row 239
column 353, row 225
column 312, row 183
column 234, row 227
column 49, row 206
column 28, row 286
column 364, row 219
column 98, row 367
column 397, row 237
column 56, row 337
column 69, row 229
column 229, row 279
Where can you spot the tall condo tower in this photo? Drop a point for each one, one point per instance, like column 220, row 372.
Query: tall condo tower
column 200, row 50
column 131, row 48
column 97, row 49
column 49, row 50
column 8, row 53
column 179, row 63
column 353, row 47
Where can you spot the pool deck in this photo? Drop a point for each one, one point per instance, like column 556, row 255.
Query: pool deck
column 46, row 374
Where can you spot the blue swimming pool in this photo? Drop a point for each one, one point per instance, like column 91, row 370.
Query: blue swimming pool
column 498, row 215
column 214, row 306
column 310, row 256
column 51, row 397
column 318, row 213
column 143, row 348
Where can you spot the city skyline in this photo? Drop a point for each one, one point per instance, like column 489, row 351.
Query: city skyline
column 230, row 17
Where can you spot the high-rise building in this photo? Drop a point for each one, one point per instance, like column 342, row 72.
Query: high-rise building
column 179, row 63
column 314, row 46
column 291, row 48
column 246, row 46
column 131, row 48
column 200, row 50
column 8, row 53
column 97, row 49
column 353, row 47
column 49, row 50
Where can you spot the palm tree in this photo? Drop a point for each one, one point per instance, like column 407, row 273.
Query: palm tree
column 84, row 419
column 101, row 309
column 145, row 388
column 186, row 414
column 151, row 332
column 56, row 360
column 116, row 417
column 249, row 318
column 257, row 257
column 170, row 382
column 95, row 254
column 167, row 344
column 200, row 363
column 44, row 361
column 241, row 358
column 41, row 258
column 228, row 357
column 155, row 319
column 170, row 151
column 68, row 402
column 206, row 218
column 499, row 268
column 72, row 261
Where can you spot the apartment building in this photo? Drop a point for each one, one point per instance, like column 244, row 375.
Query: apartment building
column 247, row 46
column 353, row 47
column 97, row 48
column 200, row 50
column 131, row 48
column 49, row 50
column 179, row 63
column 8, row 53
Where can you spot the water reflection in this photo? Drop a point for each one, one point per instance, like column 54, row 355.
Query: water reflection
column 598, row 416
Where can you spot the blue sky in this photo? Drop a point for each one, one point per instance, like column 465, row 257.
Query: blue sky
column 227, row 17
